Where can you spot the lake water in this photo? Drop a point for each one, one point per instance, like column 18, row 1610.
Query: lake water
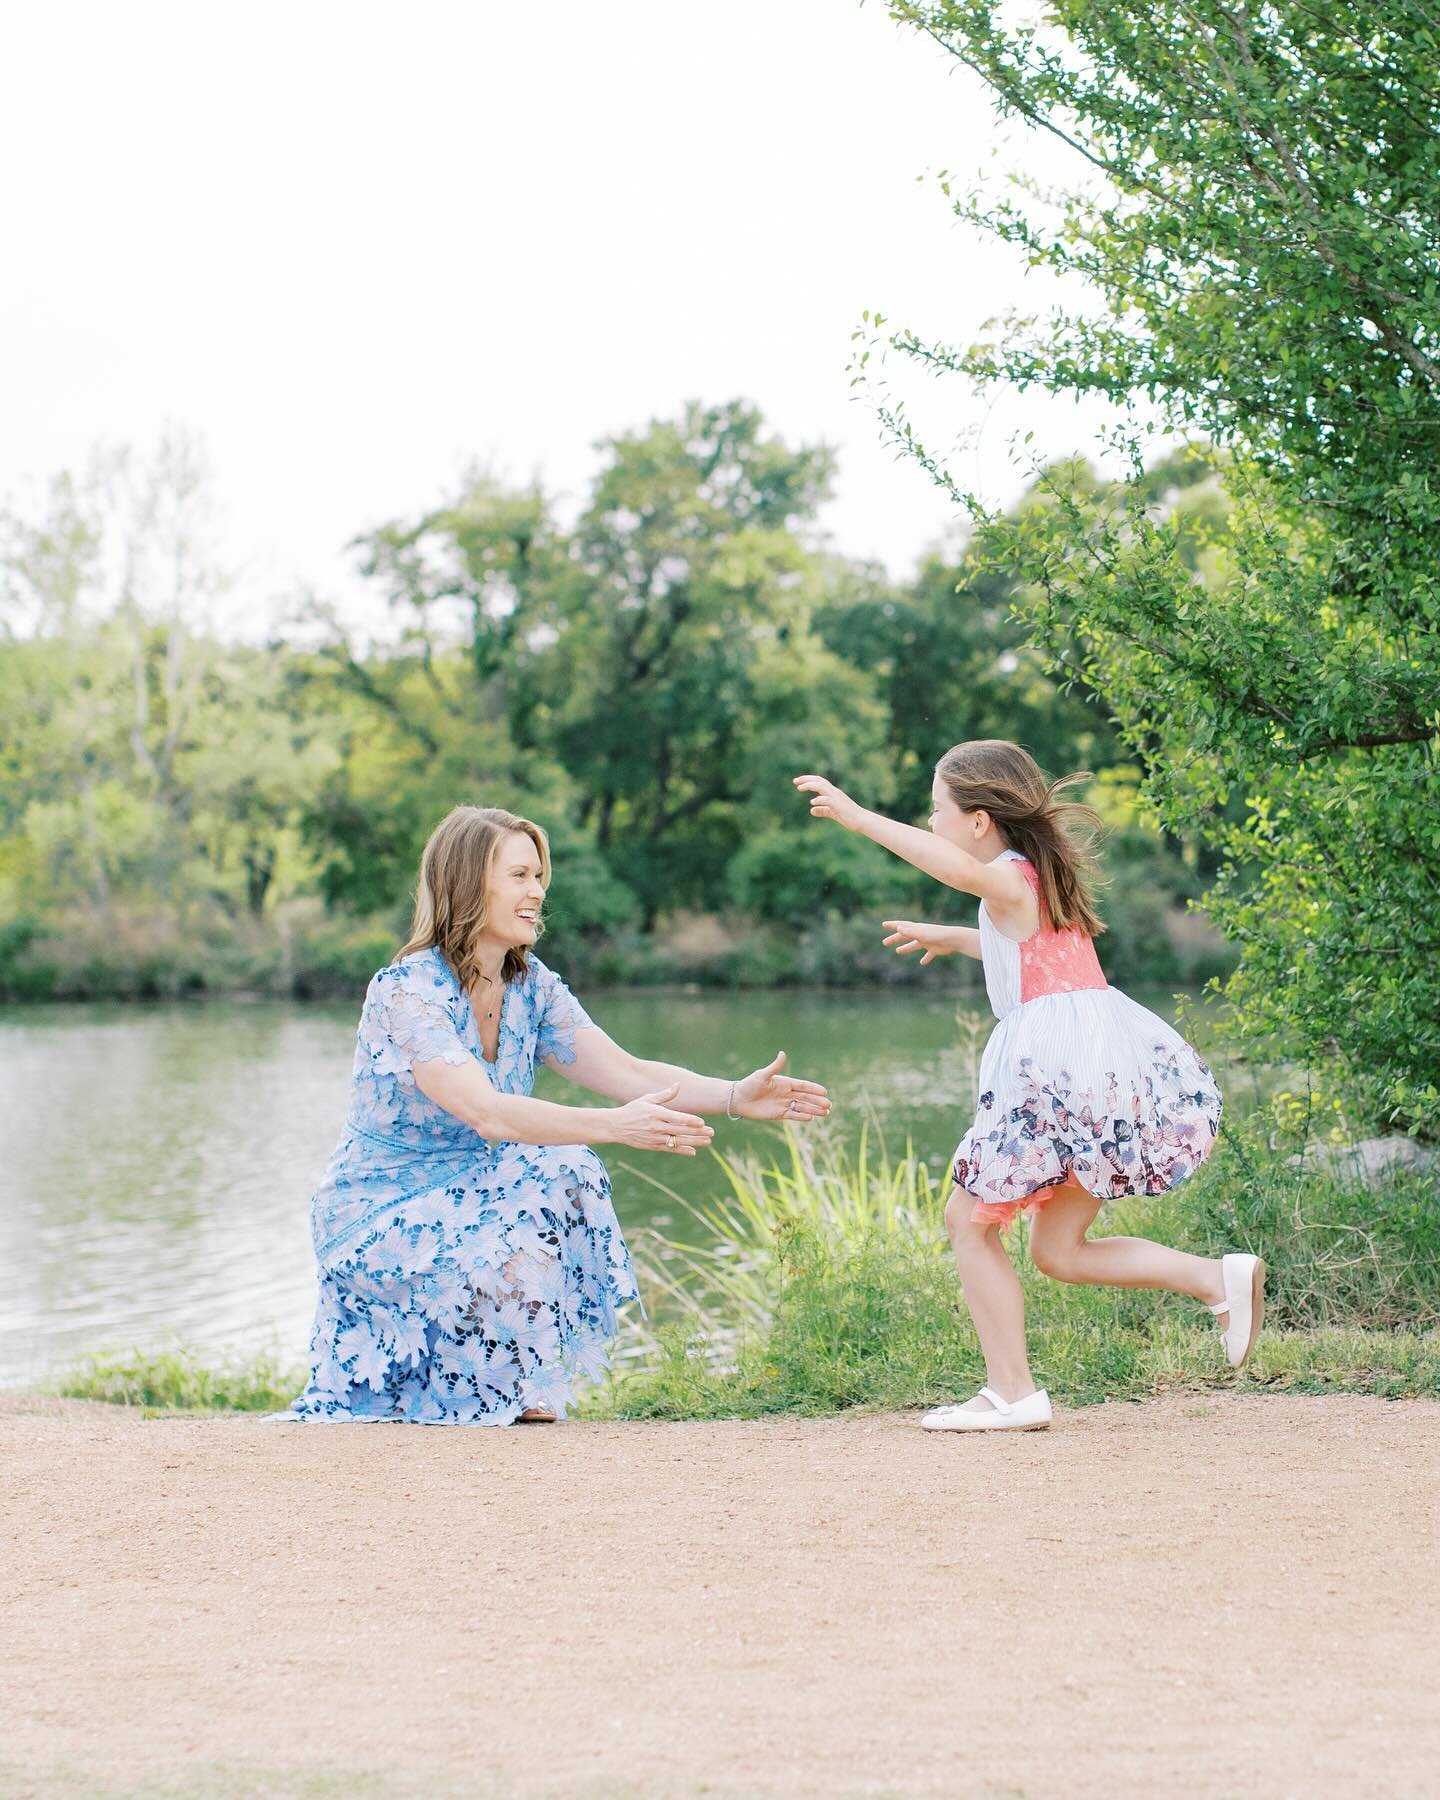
column 156, row 1162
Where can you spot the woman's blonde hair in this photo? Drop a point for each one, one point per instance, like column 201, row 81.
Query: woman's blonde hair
column 1058, row 836
column 455, row 870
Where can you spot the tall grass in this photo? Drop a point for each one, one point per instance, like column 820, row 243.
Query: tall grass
column 823, row 1280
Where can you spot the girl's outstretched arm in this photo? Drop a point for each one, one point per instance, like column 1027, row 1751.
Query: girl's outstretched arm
column 999, row 882
column 910, row 935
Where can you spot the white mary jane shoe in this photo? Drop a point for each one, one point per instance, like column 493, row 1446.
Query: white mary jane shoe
column 1030, row 1414
column 1244, row 1279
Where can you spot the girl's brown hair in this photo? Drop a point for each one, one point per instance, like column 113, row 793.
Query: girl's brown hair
column 455, row 870
column 1058, row 836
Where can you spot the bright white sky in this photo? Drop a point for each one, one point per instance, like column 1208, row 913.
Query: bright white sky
column 357, row 246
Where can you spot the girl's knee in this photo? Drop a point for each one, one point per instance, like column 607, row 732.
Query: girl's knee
column 1051, row 1254
column 965, row 1234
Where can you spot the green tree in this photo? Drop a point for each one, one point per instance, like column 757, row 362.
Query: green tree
column 687, row 562
column 952, row 661
column 1258, row 218
column 651, row 678
column 154, row 774
column 423, row 718
column 101, row 672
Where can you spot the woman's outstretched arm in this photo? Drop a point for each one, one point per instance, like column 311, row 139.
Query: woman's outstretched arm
column 767, row 1093
column 648, row 1122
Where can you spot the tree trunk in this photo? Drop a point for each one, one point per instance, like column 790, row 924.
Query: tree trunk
column 259, row 871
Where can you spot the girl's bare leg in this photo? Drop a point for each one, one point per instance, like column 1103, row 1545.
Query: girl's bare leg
column 992, row 1292
column 1059, row 1247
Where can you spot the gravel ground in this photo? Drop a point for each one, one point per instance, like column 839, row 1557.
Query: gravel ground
column 1219, row 1595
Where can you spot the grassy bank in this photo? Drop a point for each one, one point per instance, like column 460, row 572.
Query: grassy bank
column 183, row 1380
column 824, row 1282
column 827, row 1283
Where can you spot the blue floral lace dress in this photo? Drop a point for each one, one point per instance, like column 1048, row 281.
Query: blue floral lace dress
column 461, row 1279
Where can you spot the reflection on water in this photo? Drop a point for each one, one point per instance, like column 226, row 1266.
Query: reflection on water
column 157, row 1162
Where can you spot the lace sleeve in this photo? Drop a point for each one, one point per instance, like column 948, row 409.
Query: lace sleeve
column 410, row 1017
column 561, row 1016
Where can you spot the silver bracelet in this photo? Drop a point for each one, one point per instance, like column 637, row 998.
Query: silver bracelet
column 729, row 1102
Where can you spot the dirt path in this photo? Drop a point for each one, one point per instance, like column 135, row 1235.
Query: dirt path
column 1214, row 1596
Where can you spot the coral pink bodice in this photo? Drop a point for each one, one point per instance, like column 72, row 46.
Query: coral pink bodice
column 1048, row 962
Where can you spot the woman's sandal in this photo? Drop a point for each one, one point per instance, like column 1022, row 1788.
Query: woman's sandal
column 1244, row 1279
column 536, row 1415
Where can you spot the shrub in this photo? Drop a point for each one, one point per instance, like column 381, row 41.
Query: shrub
column 337, row 955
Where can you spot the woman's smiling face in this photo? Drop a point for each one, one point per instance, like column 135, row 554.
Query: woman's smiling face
column 514, row 893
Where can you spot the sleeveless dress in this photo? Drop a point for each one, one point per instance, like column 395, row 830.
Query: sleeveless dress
column 461, row 1279
column 1077, row 1082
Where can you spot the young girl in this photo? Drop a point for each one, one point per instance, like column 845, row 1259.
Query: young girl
column 1084, row 1095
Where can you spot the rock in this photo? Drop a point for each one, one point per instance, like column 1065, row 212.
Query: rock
column 1369, row 1161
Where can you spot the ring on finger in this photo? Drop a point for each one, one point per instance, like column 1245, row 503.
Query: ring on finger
column 669, row 1143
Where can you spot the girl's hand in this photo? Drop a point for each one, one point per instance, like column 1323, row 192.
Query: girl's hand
column 769, row 1094
column 649, row 1124
column 828, row 801
column 908, row 936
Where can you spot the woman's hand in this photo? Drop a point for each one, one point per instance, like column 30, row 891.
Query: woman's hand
column 909, row 935
column 649, row 1124
column 770, row 1094
column 829, row 802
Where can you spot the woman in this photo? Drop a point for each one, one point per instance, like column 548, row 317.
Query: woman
column 471, row 1264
